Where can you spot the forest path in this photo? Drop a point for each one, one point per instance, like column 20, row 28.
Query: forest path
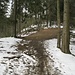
column 43, row 34
column 35, row 49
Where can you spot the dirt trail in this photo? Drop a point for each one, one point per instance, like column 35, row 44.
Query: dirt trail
column 43, row 34
column 45, row 65
column 36, row 50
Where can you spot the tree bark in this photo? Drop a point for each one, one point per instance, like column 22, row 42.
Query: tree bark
column 15, row 11
column 66, row 34
column 47, row 17
column 19, row 18
column 58, row 23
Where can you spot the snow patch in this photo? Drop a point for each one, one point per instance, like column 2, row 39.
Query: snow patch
column 64, row 62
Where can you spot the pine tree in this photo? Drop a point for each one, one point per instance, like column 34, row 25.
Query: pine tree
column 66, row 34
column 15, row 17
column 58, row 23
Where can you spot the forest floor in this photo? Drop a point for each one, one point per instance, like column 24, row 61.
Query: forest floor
column 36, row 54
column 43, row 34
column 35, row 49
column 44, row 47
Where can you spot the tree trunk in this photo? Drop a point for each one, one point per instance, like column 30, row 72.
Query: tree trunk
column 50, row 23
column 49, row 14
column 47, row 17
column 20, row 26
column 66, row 35
column 58, row 23
column 39, row 22
column 19, row 18
column 15, row 11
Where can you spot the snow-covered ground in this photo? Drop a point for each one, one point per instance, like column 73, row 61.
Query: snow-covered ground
column 11, row 65
column 73, row 31
column 63, row 62
column 27, row 34
column 24, row 32
column 12, row 61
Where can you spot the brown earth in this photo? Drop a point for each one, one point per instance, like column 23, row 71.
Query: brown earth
column 35, row 49
column 43, row 34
